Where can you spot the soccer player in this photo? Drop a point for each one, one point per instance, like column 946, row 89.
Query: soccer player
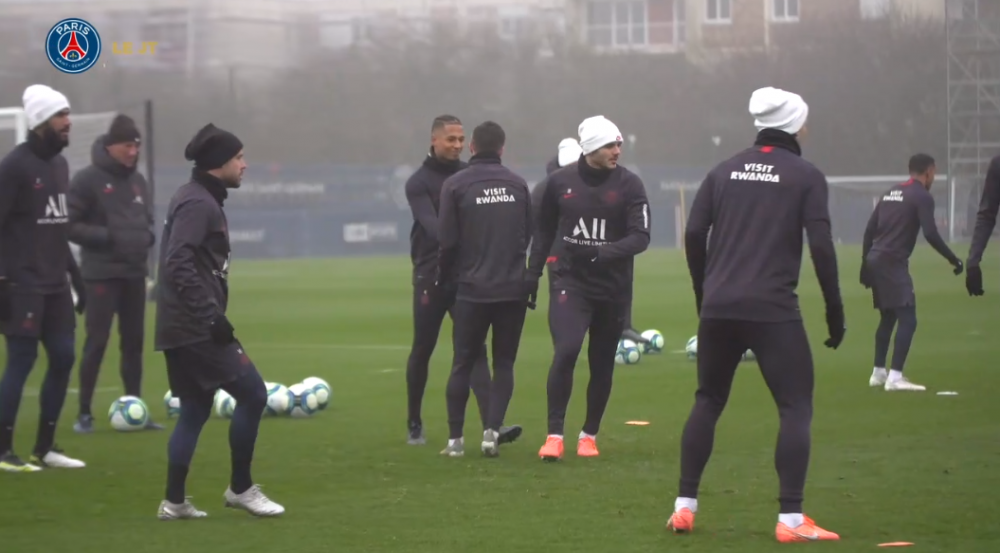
column 111, row 219
column 36, row 304
column 986, row 220
column 598, row 213
column 484, row 232
column 197, row 340
column 569, row 153
column 904, row 211
column 431, row 303
column 756, row 205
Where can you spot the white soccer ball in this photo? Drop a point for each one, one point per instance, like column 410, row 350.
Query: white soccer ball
column 173, row 404
column 306, row 403
column 321, row 389
column 225, row 404
column 280, row 400
column 749, row 356
column 691, row 349
column 128, row 414
column 628, row 353
column 655, row 339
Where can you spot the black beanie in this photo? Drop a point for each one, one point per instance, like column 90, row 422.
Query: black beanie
column 212, row 147
column 122, row 129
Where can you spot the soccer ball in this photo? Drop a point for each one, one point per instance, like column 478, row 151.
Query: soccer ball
column 691, row 349
column 173, row 404
column 280, row 400
column 628, row 353
column 224, row 404
column 306, row 402
column 128, row 414
column 321, row 389
column 749, row 356
column 655, row 339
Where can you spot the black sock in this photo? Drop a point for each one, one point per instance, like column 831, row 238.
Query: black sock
column 85, row 410
column 176, row 478
column 46, row 437
column 6, row 437
column 241, row 480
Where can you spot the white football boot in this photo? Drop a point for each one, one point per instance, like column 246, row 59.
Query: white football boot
column 56, row 459
column 254, row 502
column 901, row 384
column 491, row 443
column 182, row 511
column 878, row 378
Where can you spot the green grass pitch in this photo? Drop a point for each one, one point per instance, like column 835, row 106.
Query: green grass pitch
column 885, row 467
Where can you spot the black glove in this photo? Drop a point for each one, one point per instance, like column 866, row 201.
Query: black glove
column 866, row 278
column 959, row 267
column 221, row 330
column 835, row 325
column 5, row 301
column 445, row 292
column 974, row 281
column 531, row 290
column 698, row 294
column 583, row 254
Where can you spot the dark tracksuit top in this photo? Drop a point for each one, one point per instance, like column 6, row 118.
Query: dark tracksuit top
column 903, row 211
column 484, row 228
column 986, row 219
column 756, row 205
column 552, row 261
column 192, row 285
column 423, row 192
column 34, row 219
column 111, row 218
column 582, row 206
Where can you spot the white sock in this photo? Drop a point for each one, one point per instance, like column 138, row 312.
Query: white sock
column 686, row 503
column 895, row 375
column 556, row 436
column 791, row 520
column 453, row 442
column 879, row 371
column 585, row 435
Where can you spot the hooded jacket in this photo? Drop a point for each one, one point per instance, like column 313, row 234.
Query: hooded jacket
column 110, row 217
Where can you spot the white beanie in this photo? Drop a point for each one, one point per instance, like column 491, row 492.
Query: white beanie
column 774, row 108
column 597, row 132
column 41, row 103
column 569, row 151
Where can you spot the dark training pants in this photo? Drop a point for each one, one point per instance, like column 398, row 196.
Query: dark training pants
column 472, row 323
column 105, row 299
column 785, row 360
column 571, row 317
column 428, row 314
column 904, row 320
column 196, row 373
column 49, row 320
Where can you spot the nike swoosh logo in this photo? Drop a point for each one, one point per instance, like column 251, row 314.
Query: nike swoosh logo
column 810, row 537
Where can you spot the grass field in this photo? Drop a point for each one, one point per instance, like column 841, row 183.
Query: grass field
column 886, row 467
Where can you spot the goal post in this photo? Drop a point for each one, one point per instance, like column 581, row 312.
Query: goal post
column 85, row 130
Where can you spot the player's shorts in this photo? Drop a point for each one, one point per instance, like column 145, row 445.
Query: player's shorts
column 204, row 367
column 892, row 286
column 38, row 315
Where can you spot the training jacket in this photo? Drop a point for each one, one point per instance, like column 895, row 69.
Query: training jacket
column 111, row 218
column 484, row 231
column 192, row 281
column 34, row 220
column 423, row 193
column 986, row 219
column 903, row 211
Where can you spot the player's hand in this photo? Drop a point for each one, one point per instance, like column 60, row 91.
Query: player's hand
column 959, row 267
column 81, row 300
column 866, row 279
column 444, row 291
column 974, row 281
column 698, row 294
column 583, row 254
column 222, row 330
column 5, row 303
column 531, row 291
column 835, row 325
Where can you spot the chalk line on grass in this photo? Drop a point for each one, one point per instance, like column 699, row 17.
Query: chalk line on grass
column 34, row 392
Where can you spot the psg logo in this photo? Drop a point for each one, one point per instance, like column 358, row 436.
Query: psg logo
column 73, row 45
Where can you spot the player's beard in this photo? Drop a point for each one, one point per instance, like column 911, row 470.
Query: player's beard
column 53, row 140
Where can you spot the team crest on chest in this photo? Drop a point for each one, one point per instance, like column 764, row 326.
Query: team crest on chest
column 108, row 189
column 611, row 197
